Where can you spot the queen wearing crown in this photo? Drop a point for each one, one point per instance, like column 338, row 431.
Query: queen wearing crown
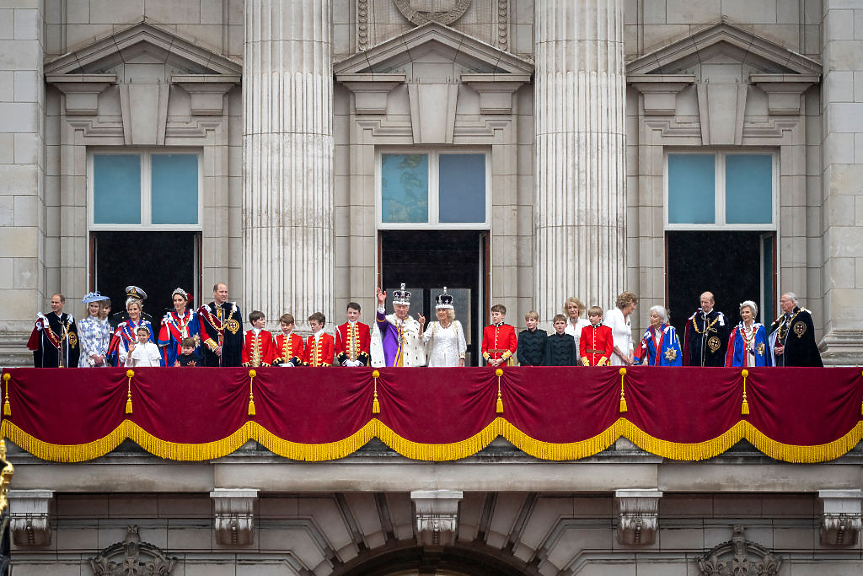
column 396, row 338
column 444, row 339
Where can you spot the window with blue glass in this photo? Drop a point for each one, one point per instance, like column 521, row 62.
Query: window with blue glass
column 404, row 188
column 726, row 189
column 431, row 189
column 145, row 189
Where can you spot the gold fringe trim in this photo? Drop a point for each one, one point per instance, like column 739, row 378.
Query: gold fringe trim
column 433, row 452
column 63, row 452
column 188, row 452
column 313, row 452
column 680, row 450
column 804, row 454
column 569, row 451
column 439, row 452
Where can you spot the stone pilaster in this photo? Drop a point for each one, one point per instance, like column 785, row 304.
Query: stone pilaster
column 580, row 210
column 22, row 173
column 842, row 172
column 288, row 149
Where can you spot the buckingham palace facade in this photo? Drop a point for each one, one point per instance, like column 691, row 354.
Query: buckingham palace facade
column 518, row 152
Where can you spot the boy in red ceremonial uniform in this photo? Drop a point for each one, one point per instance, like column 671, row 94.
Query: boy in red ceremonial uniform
column 320, row 347
column 259, row 348
column 499, row 341
column 289, row 346
column 353, row 339
column 597, row 341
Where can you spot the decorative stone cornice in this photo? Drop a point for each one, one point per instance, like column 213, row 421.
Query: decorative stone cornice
column 207, row 91
column 739, row 557
column 234, row 519
column 370, row 90
column 495, row 90
column 436, row 516
column 660, row 91
column 638, row 516
column 81, row 90
column 131, row 556
column 784, row 90
column 841, row 522
column 30, row 516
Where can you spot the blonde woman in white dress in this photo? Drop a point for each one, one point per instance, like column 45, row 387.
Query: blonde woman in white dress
column 444, row 339
column 618, row 319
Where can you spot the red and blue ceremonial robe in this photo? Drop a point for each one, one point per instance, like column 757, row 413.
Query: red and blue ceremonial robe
column 659, row 347
column 174, row 328
column 748, row 349
column 124, row 335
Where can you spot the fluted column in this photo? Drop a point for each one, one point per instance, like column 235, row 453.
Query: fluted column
column 580, row 210
column 288, row 149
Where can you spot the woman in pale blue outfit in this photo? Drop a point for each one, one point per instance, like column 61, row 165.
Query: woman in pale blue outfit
column 94, row 333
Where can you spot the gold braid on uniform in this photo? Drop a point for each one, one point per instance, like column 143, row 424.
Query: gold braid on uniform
column 786, row 325
column 707, row 327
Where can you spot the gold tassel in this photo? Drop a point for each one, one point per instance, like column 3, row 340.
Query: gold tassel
column 252, row 375
column 129, row 374
column 499, row 406
column 744, row 408
column 376, row 406
column 622, row 373
column 7, row 408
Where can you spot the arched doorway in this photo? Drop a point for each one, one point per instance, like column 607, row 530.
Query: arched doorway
column 461, row 560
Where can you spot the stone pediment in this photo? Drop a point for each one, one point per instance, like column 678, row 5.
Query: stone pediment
column 429, row 42
column 142, row 43
column 723, row 43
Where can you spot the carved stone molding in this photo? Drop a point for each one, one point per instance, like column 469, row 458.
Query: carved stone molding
column 841, row 522
column 739, row 557
column 639, row 516
column 207, row 91
column 784, row 91
column 436, row 516
column 370, row 90
column 81, row 90
column 660, row 91
column 132, row 557
column 30, row 514
column 442, row 11
column 495, row 90
column 234, row 520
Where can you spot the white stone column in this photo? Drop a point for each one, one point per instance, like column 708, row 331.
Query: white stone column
column 288, row 149
column 22, row 176
column 580, row 211
column 842, row 172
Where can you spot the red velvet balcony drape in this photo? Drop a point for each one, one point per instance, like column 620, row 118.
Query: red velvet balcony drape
column 792, row 414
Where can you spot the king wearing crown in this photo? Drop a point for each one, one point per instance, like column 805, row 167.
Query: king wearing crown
column 396, row 337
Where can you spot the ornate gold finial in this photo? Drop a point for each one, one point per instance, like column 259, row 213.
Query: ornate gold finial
column 5, row 476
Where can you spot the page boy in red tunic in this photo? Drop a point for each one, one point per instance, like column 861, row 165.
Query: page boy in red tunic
column 499, row 341
column 259, row 347
column 597, row 341
column 320, row 347
column 289, row 346
column 353, row 339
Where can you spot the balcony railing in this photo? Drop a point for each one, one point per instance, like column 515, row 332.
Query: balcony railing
column 790, row 414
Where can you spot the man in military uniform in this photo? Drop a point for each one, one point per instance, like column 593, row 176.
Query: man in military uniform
column 221, row 330
column 54, row 340
column 706, row 336
column 131, row 292
column 792, row 335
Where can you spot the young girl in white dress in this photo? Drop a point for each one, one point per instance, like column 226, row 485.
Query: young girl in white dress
column 444, row 339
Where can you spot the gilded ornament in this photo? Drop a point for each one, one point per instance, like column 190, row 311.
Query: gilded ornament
column 232, row 325
column 714, row 344
column 760, row 349
column 799, row 328
column 671, row 354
